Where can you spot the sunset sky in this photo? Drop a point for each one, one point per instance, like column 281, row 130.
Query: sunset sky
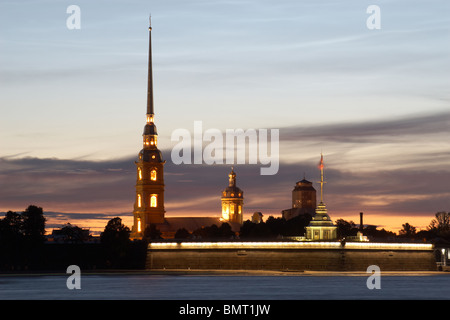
column 375, row 102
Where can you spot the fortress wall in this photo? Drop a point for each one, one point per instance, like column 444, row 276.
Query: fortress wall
column 291, row 259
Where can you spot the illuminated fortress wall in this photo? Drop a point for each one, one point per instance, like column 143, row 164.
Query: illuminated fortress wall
column 310, row 256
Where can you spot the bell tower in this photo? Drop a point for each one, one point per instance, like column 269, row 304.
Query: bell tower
column 149, row 201
column 232, row 201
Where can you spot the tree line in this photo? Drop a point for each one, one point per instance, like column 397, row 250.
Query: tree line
column 23, row 245
column 22, row 239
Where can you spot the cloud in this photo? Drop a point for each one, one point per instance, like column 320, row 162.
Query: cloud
column 418, row 187
column 372, row 131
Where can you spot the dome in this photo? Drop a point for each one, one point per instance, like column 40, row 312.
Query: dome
column 150, row 129
column 232, row 192
column 150, row 155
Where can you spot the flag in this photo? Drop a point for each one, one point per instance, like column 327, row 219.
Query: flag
column 321, row 162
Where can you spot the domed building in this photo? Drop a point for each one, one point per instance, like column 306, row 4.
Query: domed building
column 232, row 201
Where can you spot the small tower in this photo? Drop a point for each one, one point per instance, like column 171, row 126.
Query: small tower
column 232, row 201
column 304, row 195
column 149, row 202
column 303, row 200
column 321, row 227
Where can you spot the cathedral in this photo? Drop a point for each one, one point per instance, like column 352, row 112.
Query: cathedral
column 149, row 201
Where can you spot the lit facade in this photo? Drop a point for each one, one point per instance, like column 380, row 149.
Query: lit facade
column 232, row 201
column 149, row 202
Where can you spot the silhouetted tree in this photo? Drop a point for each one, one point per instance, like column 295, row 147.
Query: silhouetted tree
column 152, row 232
column 441, row 224
column 72, row 233
column 380, row 235
column 345, row 228
column 276, row 225
column 115, row 240
column 182, row 234
column 254, row 230
column 11, row 227
column 207, row 232
column 214, row 232
column 33, row 224
column 225, row 231
column 296, row 226
column 115, row 232
column 408, row 231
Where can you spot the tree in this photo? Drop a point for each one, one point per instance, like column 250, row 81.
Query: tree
column 213, row 231
column 373, row 233
column 408, row 231
column 72, row 233
column 254, row 230
column 182, row 234
column 33, row 224
column 346, row 228
column 11, row 227
column 115, row 232
column 225, row 231
column 115, row 240
column 440, row 226
column 152, row 232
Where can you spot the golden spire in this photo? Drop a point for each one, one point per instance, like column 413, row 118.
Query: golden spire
column 232, row 178
column 150, row 111
column 322, row 182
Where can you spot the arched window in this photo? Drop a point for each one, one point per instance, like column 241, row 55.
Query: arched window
column 139, row 229
column 153, row 201
column 225, row 212
column 153, row 175
column 139, row 201
column 140, row 173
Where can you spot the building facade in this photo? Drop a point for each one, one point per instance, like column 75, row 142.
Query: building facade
column 149, row 201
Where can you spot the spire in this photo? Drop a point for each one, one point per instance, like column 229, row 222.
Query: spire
column 322, row 182
column 150, row 134
column 150, row 111
column 232, row 178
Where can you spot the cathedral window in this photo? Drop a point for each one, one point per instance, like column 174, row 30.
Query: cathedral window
column 239, row 209
column 139, row 201
column 153, row 201
column 232, row 208
column 153, row 175
column 140, row 173
column 225, row 214
column 139, row 229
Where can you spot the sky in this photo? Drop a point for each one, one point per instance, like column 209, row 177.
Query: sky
column 375, row 102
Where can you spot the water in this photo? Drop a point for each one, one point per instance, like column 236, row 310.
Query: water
column 214, row 287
